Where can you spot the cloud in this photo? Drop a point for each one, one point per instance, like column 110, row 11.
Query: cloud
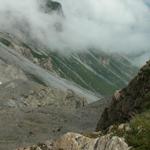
column 110, row 25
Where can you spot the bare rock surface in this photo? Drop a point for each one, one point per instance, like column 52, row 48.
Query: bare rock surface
column 74, row 141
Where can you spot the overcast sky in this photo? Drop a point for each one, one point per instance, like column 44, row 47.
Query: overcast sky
column 110, row 25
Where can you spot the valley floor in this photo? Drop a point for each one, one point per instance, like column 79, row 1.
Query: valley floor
column 34, row 113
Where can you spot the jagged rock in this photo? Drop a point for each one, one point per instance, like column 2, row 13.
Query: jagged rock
column 53, row 6
column 71, row 99
column 117, row 95
column 129, row 101
column 111, row 143
column 124, row 127
column 21, row 48
column 74, row 141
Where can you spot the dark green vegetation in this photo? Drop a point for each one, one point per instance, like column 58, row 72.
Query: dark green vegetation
column 138, row 135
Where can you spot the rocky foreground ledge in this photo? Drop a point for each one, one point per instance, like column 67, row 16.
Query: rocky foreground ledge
column 74, row 141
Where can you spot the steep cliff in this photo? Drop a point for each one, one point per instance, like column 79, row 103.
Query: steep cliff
column 133, row 99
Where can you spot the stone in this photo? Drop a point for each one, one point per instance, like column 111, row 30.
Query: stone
column 75, row 141
column 121, row 126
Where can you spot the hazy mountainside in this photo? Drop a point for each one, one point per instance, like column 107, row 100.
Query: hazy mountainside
column 45, row 92
column 14, row 54
column 127, row 116
column 30, row 111
column 91, row 69
column 139, row 58
column 95, row 71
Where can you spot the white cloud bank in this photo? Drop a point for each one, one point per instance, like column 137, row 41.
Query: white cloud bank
column 112, row 25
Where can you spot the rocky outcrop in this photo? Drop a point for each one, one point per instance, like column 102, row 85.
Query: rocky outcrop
column 53, row 6
column 21, row 48
column 74, row 141
column 127, row 102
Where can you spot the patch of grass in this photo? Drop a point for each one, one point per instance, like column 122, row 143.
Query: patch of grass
column 139, row 136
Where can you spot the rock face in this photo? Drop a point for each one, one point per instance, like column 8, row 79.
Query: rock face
column 53, row 6
column 128, row 101
column 74, row 141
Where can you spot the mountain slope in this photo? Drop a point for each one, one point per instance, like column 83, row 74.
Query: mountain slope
column 128, row 117
column 31, row 112
column 130, row 107
column 12, row 56
column 133, row 99
column 93, row 70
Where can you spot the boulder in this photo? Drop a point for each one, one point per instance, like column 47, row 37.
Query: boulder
column 75, row 141
column 53, row 6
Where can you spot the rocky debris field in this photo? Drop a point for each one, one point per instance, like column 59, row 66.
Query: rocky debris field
column 31, row 112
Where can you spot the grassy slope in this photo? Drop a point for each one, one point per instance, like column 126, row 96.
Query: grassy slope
column 104, row 79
